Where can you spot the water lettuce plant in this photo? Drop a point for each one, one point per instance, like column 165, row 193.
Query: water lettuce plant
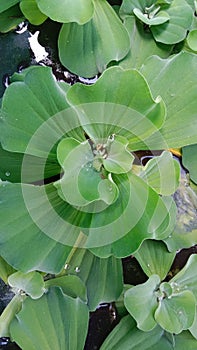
column 76, row 195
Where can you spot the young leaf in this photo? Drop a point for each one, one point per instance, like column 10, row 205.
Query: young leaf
column 142, row 45
column 175, row 30
column 186, row 278
column 176, row 313
column 140, row 307
column 154, row 173
column 55, row 321
column 31, row 283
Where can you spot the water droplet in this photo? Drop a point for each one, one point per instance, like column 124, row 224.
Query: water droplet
column 77, row 269
column 110, row 189
column 7, row 173
column 180, row 312
column 67, row 267
column 148, row 265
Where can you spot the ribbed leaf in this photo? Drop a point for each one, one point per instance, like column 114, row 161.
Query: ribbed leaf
column 91, row 41
column 55, row 321
column 154, row 258
column 140, row 307
column 154, row 173
column 128, row 337
column 179, row 128
column 108, row 274
column 142, row 45
column 33, row 250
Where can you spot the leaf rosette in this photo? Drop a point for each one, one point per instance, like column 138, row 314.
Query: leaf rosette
column 80, row 140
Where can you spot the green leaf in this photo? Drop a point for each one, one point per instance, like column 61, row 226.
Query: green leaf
column 160, row 18
column 6, row 4
column 119, row 159
column 192, row 39
column 31, row 11
column 128, row 337
column 8, row 314
column 141, row 302
column 142, row 45
column 16, row 167
column 189, row 161
column 26, row 105
column 10, row 18
column 176, row 313
column 126, row 109
column 179, row 128
column 186, row 279
column 151, row 218
column 55, row 321
column 175, row 30
column 91, row 41
column 80, row 11
column 154, row 173
column 31, row 283
column 193, row 328
column 33, row 249
column 71, row 285
column 79, row 173
column 5, row 270
column 154, row 258
column 185, row 340
column 108, row 274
